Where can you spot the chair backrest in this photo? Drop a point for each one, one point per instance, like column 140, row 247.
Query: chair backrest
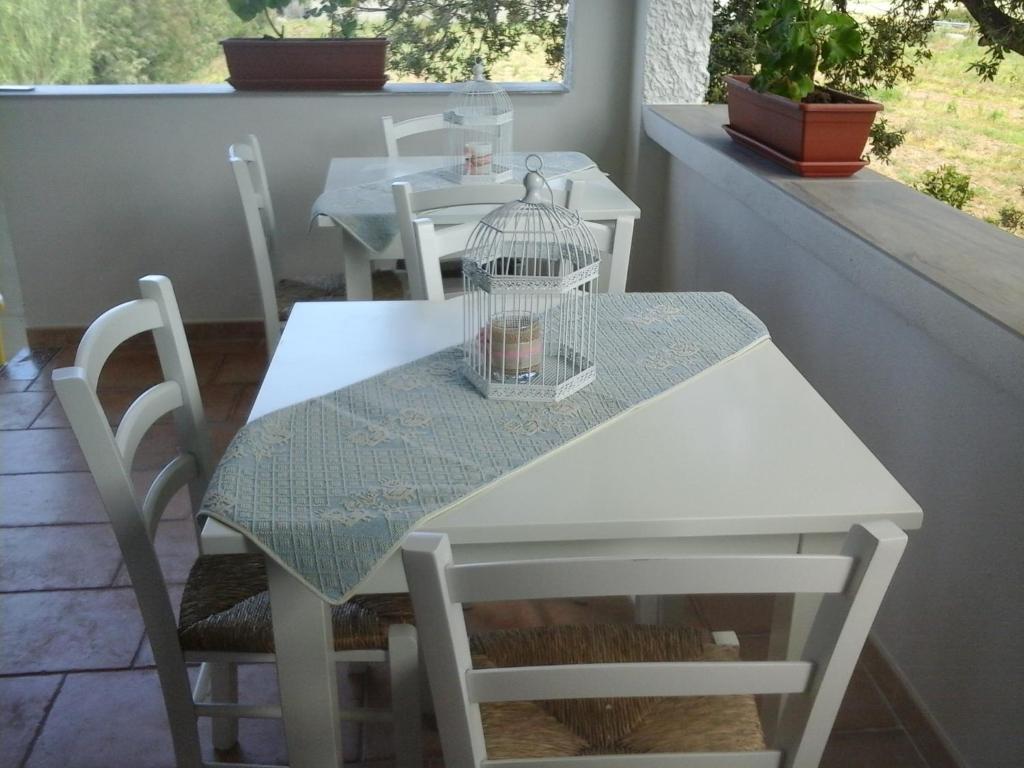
column 246, row 161
column 109, row 453
column 853, row 582
column 394, row 131
column 424, row 245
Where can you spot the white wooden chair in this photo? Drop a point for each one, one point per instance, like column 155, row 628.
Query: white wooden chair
column 425, row 246
column 225, row 616
column 276, row 296
column 393, row 131
column 853, row 583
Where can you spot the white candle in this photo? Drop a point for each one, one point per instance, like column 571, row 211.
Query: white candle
column 478, row 158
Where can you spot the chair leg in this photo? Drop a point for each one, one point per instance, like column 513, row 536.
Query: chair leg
column 223, row 690
column 403, row 660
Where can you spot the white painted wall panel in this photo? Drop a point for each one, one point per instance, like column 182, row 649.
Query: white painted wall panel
column 954, row 438
column 99, row 190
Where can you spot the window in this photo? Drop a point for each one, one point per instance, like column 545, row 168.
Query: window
column 177, row 41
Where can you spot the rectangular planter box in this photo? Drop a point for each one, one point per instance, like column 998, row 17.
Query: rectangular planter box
column 808, row 133
column 306, row 64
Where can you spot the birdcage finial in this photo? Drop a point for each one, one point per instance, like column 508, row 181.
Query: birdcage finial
column 534, row 180
column 478, row 71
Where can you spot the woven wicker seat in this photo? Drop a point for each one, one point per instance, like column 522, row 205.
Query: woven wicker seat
column 226, row 607
column 612, row 726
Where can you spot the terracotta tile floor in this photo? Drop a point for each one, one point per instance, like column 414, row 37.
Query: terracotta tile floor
column 77, row 683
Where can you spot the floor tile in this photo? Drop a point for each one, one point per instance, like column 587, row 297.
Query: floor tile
column 42, row 450
column 220, row 400
column 871, row 749
column 18, row 411
column 754, row 647
column 45, row 499
column 246, row 400
column 62, row 631
column 260, row 741
column 175, row 547
column 750, row 614
column 23, row 704
column 243, row 367
column 27, row 364
column 906, row 710
column 863, row 707
column 13, row 385
column 106, row 719
column 58, row 557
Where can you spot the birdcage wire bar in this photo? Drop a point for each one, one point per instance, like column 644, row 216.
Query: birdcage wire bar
column 530, row 275
column 479, row 120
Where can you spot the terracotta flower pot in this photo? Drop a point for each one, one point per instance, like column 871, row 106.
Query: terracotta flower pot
column 306, row 64
column 811, row 139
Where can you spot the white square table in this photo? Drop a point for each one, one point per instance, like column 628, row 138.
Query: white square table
column 602, row 202
column 744, row 457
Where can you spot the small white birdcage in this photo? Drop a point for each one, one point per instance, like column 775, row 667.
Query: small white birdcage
column 530, row 276
column 479, row 120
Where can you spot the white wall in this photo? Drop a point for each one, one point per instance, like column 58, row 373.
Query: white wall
column 99, row 190
column 877, row 341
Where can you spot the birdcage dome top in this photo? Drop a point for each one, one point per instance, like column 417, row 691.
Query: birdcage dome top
column 478, row 100
column 531, row 244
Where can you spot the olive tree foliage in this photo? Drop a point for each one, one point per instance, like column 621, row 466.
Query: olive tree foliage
column 45, row 41
column 440, row 39
column 110, row 41
column 892, row 44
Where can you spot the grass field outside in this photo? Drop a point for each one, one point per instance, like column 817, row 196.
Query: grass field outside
column 953, row 117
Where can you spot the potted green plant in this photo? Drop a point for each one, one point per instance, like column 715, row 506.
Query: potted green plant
column 340, row 62
column 781, row 112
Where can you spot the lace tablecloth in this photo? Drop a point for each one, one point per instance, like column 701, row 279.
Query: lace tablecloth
column 367, row 211
column 329, row 487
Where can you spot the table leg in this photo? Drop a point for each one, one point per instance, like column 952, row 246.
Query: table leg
column 306, row 672
column 358, row 281
column 614, row 281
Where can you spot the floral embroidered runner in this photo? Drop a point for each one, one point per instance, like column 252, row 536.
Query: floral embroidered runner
column 329, row 487
column 367, row 211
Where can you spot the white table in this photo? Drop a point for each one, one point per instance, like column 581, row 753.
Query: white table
column 744, row 457
column 603, row 202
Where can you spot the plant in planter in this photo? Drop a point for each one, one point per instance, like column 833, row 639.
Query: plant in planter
column 781, row 111
column 338, row 63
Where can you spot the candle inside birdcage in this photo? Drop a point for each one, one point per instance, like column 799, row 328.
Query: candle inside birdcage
column 515, row 346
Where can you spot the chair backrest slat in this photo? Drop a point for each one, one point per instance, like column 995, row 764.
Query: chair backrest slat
column 171, row 479
column 696, row 574
column 393, row 131
column 853, row 582
column 764, row 759
column 594, row 681
column 110, row 330
column 246, row 160
column 151, row 405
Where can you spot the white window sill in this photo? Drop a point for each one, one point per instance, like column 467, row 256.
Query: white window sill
column 223, row 89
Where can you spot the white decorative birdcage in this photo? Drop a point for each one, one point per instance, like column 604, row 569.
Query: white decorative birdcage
column 479, row 121
column 530, row 274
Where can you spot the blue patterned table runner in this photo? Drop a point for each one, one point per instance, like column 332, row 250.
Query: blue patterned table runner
column 329, row 487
